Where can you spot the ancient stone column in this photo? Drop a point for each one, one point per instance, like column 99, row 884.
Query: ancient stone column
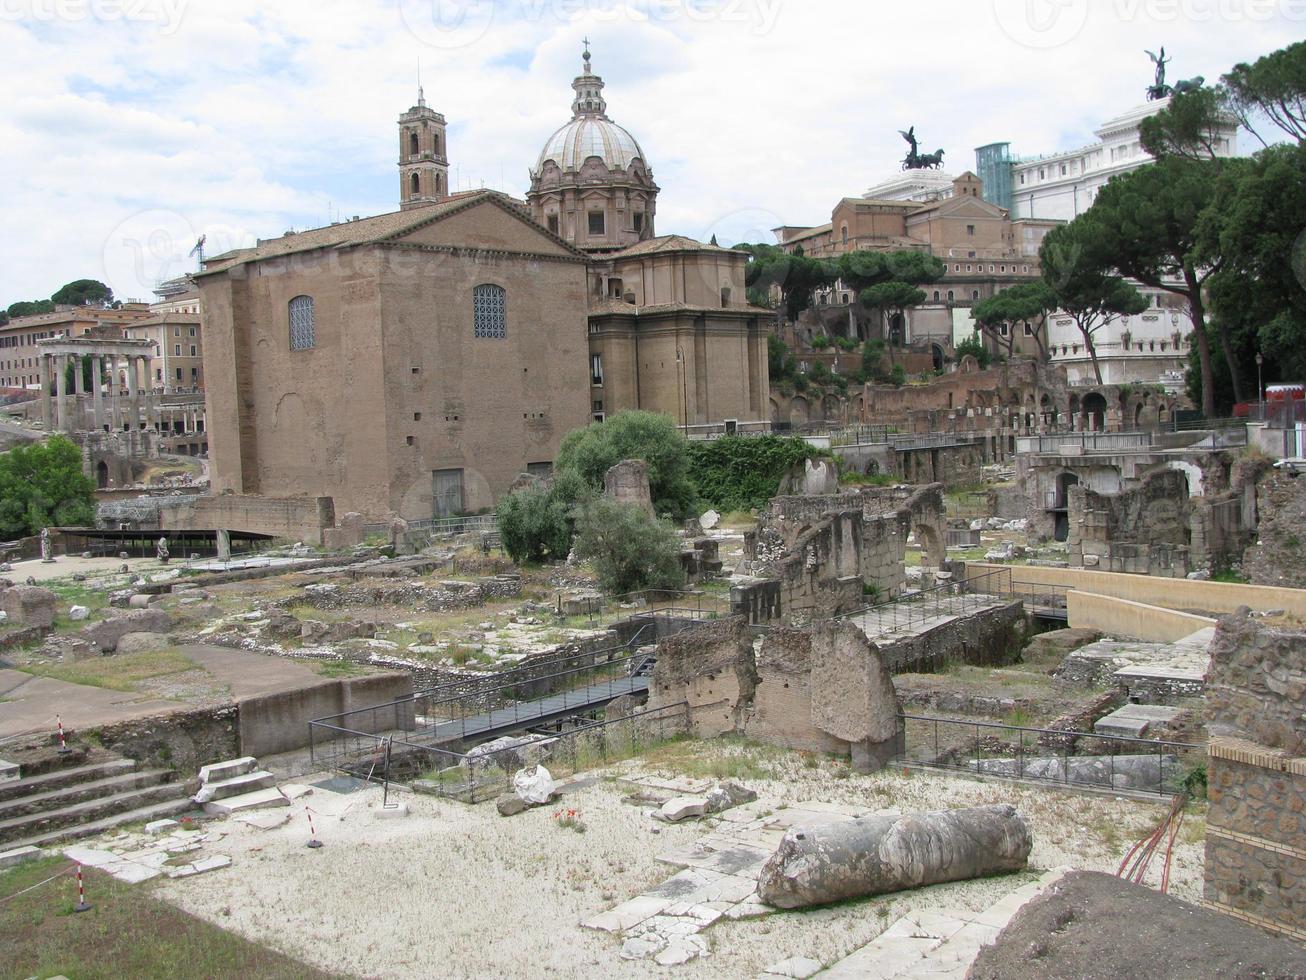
column 47, row 408
column 151, row 413
column 78, row 389
column 879, row 854
column 133, row 394
column 68, row 393
column 97, row 391
column 113, row 393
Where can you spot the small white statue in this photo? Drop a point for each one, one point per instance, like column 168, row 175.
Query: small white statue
column 161, row 550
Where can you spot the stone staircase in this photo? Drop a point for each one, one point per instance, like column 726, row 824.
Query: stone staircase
column 59, row 798
column 940, row 943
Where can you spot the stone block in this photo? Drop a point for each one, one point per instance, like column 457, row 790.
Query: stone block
column 682, row 808
column 19, row 855
column 627, row 483
column 258, row 800
column 228, row 769
column 9, row 771
column 161, row 826
column 78, row 614
column 142, row 643
column 28, row 605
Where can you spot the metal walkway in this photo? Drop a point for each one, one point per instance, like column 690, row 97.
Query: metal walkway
column 526, row 714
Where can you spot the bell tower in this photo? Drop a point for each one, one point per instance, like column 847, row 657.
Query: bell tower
column 423, row 164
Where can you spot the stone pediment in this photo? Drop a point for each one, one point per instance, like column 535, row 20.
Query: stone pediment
column 488, row 224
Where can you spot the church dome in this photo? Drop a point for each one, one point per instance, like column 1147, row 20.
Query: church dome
column 590, row 133
column 590, row 136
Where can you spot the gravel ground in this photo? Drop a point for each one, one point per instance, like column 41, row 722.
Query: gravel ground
column 457, row 891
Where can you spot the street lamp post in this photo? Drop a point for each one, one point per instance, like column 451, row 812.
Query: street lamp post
column 1260, row 383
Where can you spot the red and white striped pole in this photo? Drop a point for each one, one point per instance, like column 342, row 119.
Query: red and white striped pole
column 82, row 904
column 63, row 744
column 313, row 841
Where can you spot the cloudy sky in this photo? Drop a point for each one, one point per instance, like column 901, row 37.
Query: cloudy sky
column 130, row 127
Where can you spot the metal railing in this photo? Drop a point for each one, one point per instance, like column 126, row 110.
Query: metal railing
column 909, row 612
column 404, row 714
column 444, row 526
column 474, row 776
column 1096, row 442
column 1049, row 756
column 656, row 602
column 1004, row 583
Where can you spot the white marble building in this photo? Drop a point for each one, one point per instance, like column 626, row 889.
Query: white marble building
column 1149, row 348
column 1062, row 186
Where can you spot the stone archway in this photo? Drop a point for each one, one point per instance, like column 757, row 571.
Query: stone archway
column 1061, row 506
column 101, row 474
column 936, row 355
column 799, row 411
column 1095, row 412
column 933, row 547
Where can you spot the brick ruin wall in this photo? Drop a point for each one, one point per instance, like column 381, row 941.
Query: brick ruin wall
column 1278, row 557
column 1160, row 529
column 1256, row 823
column 817, row 554
column 820, row 689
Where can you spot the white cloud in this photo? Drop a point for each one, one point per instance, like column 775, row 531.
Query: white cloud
column 250, row 118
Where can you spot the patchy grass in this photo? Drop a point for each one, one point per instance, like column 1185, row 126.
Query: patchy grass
column 117, row 673
column 725, row 758
column 126, row 933
column 339, row 668
column 739, row 520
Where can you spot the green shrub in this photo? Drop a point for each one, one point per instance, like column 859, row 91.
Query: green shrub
column 592, row 451
column 537, row 524
column 898, row 376
column 820, row 342
column 42, row 485
column 629, row 550
column 974, row 346
column 740, row 473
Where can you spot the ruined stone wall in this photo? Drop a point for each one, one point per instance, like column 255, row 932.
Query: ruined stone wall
column 990, row 638
column 1255, row 859
column 1257, row 684
column 822, row 689
column 711, row 669
column 1279, row 555
column 1143, row 530
column 182, row 740
column 781, row 713
column 823, row 550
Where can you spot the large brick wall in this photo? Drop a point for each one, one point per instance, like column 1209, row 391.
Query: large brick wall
column 1255, row 836
column 1256, row 825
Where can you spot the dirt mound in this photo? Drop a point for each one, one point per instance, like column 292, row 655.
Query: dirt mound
column 1091, row 925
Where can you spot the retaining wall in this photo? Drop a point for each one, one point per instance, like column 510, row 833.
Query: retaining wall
column 279, row 722
column 1216, row 597
column 1123, row 617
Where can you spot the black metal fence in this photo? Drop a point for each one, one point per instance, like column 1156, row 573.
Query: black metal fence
column 1116, row 763
column 912, row 610
column 484, row 772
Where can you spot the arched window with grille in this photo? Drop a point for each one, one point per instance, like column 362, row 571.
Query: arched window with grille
column 413, row 147
column 303, row 329
column 490, row 312
column 415, row 185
